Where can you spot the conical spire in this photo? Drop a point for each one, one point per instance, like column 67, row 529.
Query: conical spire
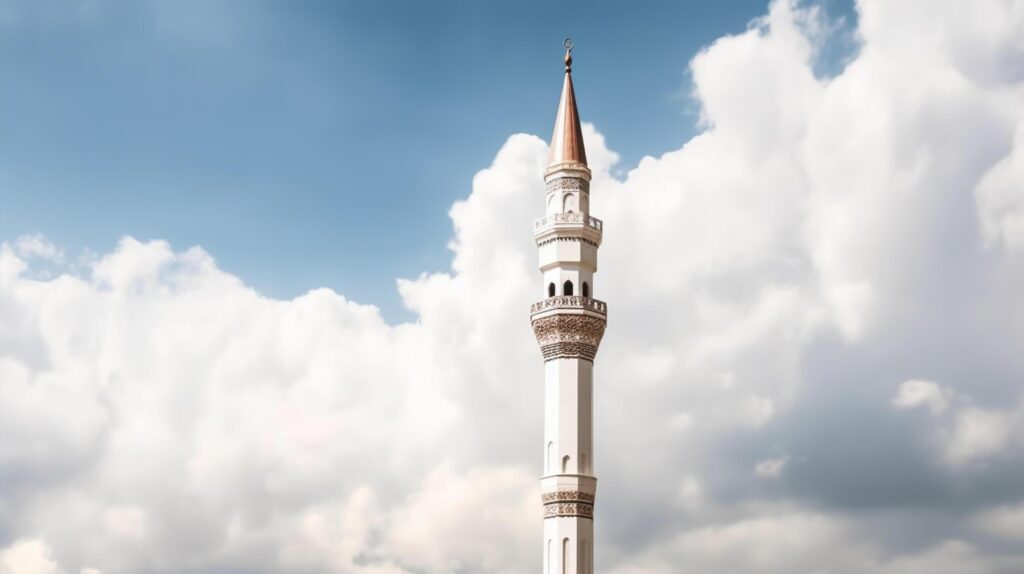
column 567, row 140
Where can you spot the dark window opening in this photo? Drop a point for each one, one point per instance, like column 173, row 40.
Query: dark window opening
column 567, row 288
column 551, row 289
column 586, row 289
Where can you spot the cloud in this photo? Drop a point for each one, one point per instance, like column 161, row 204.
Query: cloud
column 27, row 557
column 982, row 433
column 770, row 467
column 970, row 432
column 1004, row 521
column 768, row 283
column 29, row 246
column 1001, row 201
column 915, row 393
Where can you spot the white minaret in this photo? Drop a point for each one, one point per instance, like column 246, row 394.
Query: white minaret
column 569, row 325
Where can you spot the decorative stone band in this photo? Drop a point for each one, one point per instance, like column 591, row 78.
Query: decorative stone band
column 570, row 239
column 573, row 217
column 567, row 169
column 568, row 503
column 570, row 302
column 569, row 336
column 567, row 184
column 567, row 496
column 569, row 509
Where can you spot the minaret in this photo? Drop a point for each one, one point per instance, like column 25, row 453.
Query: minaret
column 569, row 325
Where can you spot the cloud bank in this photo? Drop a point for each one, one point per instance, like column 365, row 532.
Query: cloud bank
column 812, row 363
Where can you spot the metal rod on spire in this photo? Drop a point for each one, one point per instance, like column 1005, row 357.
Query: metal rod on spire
column 567, row 139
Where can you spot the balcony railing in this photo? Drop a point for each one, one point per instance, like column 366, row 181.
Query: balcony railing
column 569, row 302
column 571, row 217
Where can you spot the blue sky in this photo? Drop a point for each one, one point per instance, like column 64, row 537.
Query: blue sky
column 309, row 144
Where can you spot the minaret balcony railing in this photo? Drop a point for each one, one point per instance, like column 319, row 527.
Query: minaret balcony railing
column 567, row 219
column 569, row 303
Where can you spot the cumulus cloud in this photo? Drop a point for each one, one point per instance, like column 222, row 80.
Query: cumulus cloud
column 1001, row 201
column 981, row 433
column 27, row 557
column 767, row 282
column 969, row 432
column 29, row 246
column 916, row 393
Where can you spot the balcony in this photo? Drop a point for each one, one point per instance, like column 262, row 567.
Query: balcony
column 570, row 303
column 571, row 219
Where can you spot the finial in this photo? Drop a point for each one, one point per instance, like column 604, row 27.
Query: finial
column 567, row 139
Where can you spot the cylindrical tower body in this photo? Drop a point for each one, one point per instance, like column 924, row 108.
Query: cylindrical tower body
column 569, row 324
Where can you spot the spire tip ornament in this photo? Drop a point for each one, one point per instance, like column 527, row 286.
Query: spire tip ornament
column 566, row 149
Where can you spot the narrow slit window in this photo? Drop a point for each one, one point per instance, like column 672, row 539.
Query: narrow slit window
column 565, row 556
column 551, row 289
column 586, row 290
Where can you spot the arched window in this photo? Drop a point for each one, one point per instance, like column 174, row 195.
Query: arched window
column 551, row 559
column 565, row 463
column 586, row 290
column 565, row 556
column 584, row 565
column 551, row 289
column 567, row 288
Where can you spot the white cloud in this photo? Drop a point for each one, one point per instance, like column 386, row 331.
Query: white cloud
column 1004, row 521
column 971, row 432
column 28, row 557
column 1000, row 197
column 818, row 241
column 770, row 467
column 29, row 246
column 915, row 393
column 980, row 433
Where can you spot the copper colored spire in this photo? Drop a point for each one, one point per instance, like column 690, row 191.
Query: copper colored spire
column 567, row 140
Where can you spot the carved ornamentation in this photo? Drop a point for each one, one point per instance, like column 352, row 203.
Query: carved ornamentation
column 569, row 351
column 571, row 509
column 578, row 239
column 569, row 336
column 563, row 184
column 570, row 217
column 569, row 302
column 568, row 503
column 567, row 496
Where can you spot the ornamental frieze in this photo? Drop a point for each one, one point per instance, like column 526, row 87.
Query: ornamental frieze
column 560, row 184
column 569, row 239
column 569, row 217
column 568, row 351
column 569, row 509
column 567, row 495
column 569, row 328
column 569, row 302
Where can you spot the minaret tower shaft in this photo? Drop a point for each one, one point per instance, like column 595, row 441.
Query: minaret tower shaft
column 569, row 324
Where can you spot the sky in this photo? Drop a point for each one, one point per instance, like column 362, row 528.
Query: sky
column 813, row 257
column 281, row 136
